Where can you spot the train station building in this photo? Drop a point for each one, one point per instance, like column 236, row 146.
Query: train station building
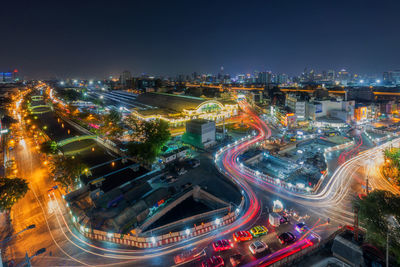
column 177, row 109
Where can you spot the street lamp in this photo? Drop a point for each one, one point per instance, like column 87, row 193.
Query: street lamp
column 14, row 235
column 28, row 259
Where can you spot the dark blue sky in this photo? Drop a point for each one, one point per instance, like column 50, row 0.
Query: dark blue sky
column 90, row 39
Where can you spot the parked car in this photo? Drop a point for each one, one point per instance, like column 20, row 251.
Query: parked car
column 287, row 238
column 258, row 247
column 187, row 185
column 193, row 163
column 214, row 261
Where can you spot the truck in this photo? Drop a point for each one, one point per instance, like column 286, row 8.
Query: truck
column 274, row 219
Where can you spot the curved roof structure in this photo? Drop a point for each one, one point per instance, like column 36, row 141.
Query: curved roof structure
column 174, row 102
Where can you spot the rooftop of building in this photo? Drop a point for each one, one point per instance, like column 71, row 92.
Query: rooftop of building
column 199, row 121
column 174, row 102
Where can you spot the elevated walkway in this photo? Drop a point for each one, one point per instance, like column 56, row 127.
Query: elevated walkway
column 74, row 139
column 37, row 97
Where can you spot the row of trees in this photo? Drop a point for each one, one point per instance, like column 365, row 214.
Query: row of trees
column 374, row 211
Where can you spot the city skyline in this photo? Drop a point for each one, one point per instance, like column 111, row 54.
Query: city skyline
column 93, row 39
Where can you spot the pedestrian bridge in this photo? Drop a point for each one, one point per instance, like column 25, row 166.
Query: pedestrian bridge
column 42, row 109
column 74, row 139
column 37, row 97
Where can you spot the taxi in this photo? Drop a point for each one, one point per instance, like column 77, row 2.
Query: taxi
column 259, row 230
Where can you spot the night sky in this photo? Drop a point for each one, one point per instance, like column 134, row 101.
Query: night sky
column 92, row 39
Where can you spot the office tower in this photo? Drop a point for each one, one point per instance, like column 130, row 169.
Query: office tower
column 125, row 79
column 265, row 77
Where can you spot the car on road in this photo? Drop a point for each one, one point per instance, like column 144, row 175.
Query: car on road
column 189, row 256
column 193, row 163
column 301, row 227
column 259, row 230
column 172, row 180
column 214, row 261
column 241, row 236
column 187, row 185
column 236, row 259
column 258, row 247
column 221, row 245
column 50, row 193
column 287, row 238
column 284, row 220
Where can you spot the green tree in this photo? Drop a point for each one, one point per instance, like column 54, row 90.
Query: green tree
column 69, row 95
column 67, row 170
column 11, row 190
column 48, row 147
column 113, row 116
column 391, row 167
column 373, row 211
column 98, row 102
column 112, row 127
column 149, row 136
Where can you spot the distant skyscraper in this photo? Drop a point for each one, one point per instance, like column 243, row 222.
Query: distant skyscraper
column 180, row 78
column 344, row 76
column 265, row 77
column 282, row 78
column 194, row 76
column 387, row 77
column 9, row 77
column 125, row 79
column 395, row 76
column 330, row 75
